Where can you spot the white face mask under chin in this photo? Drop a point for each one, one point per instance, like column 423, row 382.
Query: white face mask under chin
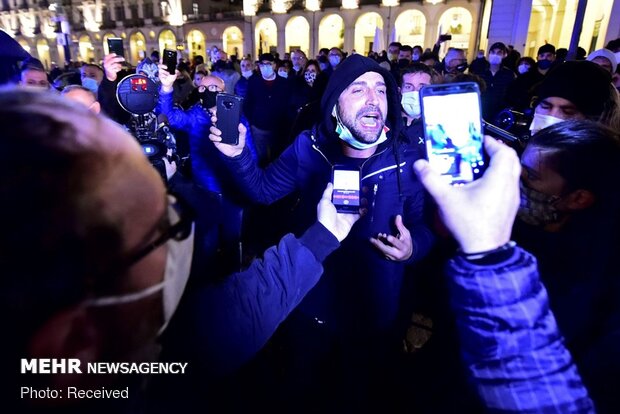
column 178, row 266
column 541, row 121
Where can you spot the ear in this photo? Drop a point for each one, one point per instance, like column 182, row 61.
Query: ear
column 96, row 108
column 580, row 199
column 71, row 333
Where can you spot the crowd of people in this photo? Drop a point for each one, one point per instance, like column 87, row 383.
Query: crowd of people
column 500, row 295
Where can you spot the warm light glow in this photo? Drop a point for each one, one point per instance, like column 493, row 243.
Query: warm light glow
column 140, row 43
column 280, row 6
column 250, row 7
column 26, row 48
column 434, row 1
column 152, row 34
column 349, row 4
column 313, row 5
column 390, row 3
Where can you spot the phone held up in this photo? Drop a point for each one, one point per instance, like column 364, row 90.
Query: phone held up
column 115, row 45
column 346, row 192
column 228, row 117
column 453, row 130
column 170, row 60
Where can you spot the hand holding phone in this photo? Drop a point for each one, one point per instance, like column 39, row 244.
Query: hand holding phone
column 228, row 117
column 338, row 224
column 170, row 60
column 115, row 45
column 346, row 193
column 453, row 130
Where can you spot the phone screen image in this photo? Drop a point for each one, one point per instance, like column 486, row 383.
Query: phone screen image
column 453, row 131
column 346, row 193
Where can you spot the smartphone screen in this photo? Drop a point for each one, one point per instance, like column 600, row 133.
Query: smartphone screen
column 453, row 130
column 346, row 194
column 170, row 60
column 115, row 45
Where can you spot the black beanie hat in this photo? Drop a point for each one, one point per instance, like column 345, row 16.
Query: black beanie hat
column 583, row 83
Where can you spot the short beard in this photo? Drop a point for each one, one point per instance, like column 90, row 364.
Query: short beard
column 361, row 136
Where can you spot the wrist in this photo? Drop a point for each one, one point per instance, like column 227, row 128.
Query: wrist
column 485, row 254
column 166, row 89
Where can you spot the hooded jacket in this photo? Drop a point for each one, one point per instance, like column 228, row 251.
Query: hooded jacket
column 360, row 291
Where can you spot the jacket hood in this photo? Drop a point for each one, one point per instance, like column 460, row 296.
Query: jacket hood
column 344, row 74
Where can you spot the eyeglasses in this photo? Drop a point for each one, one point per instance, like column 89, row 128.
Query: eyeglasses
column 210, row 88
column 179, row 219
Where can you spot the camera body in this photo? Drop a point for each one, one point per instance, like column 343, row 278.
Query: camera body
column 138, row 95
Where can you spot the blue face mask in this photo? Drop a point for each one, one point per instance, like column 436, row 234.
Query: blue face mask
column 90, row 84
column 544, row 64
column 345, row 134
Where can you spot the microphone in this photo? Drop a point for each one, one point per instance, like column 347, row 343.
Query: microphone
column 162, row 123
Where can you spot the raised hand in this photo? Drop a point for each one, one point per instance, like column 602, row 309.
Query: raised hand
column 339, row 224
column 215, row 135
column 397, row 248
column 479, row 214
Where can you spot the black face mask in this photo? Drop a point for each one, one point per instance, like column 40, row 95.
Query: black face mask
column 207, row 98
column 462, row 67
column 403, row 63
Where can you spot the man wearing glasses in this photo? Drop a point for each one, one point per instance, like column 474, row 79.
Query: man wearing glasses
column 96, row 258
column 207, row 171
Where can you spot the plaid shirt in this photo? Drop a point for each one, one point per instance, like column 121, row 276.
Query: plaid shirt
column 510, row 342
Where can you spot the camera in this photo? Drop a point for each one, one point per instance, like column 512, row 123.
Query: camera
column 138, row 95
column 515, row 122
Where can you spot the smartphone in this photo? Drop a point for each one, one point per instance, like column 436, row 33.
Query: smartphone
column 170, row 60
column 346, row 194
column 444, row 37
column 453, row 130
column 115, row 45
column 229, row 116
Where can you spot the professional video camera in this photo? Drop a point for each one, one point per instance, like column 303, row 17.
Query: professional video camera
column 138, row 95
column 515, row 122
column 510, row 126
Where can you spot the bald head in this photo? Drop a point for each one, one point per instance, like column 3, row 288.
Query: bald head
column 82, row 95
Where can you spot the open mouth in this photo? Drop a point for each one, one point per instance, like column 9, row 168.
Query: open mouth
column 370, row 120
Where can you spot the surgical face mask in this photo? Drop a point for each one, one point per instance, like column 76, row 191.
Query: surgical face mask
column 544, row 64
column 266, row 71
column 393, row 56
column 283, row 73
column 536, row 208
column 334, row 60
column 495, row 59
column 246, row 73
column 90, row 84
column 541, row 121
column 523, row 68
column 310, row 77
column 411, row 104
column 345, row 134
column 208, row 98
column 176, row 275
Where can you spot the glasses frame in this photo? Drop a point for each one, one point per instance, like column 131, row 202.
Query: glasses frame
column 178, row 231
